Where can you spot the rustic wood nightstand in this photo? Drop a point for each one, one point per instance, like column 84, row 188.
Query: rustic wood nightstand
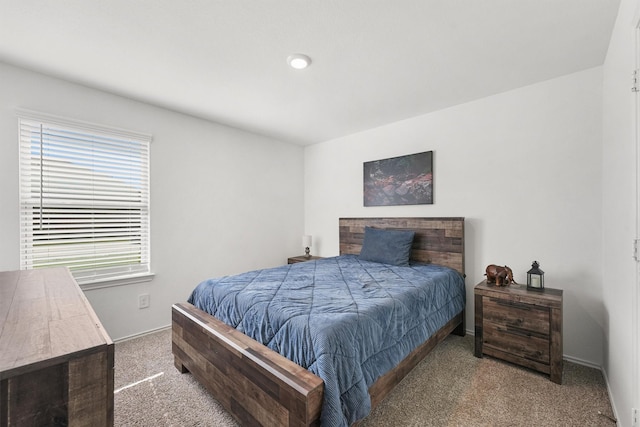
column 302, row 258
column 520, row 326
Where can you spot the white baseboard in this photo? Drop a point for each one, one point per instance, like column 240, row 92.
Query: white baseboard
column 581, row 362
column 613, row 404
column 141, row 334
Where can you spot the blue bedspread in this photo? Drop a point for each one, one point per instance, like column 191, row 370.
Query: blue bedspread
column 348, row 321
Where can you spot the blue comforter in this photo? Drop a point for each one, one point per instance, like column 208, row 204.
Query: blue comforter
column 346, row 320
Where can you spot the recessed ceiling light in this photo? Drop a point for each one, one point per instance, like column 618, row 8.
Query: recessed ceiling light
column 298, row 61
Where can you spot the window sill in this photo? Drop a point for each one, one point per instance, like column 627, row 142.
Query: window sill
column 119, row 281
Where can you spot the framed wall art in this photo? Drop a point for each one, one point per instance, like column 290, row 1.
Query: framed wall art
column 404, row 180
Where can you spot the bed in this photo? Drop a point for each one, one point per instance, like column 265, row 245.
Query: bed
column 259, row 386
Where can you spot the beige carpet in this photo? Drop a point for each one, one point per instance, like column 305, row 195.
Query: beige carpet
column 450, row 387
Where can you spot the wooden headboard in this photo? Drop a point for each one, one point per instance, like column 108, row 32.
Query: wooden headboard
column 437, row 240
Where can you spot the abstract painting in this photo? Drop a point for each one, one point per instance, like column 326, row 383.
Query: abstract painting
column 404, row 180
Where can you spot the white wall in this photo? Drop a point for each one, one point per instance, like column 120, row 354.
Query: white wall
column 619, row 222
column 222, row 200
column 524, row 169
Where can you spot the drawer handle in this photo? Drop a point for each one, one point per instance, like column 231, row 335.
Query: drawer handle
column 512, row 304
column 516, row 332
column 523, row 333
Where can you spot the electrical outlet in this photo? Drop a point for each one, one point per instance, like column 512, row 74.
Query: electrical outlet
column 635, row 417
column 143, row 301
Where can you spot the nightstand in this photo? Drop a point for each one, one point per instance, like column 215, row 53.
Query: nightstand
column 302, row 258
column 520, row 326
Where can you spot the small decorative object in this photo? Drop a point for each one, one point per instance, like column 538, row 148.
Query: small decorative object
column 535, row 277
column 501, row 276
column 306, row 243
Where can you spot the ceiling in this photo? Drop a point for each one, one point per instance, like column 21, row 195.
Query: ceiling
column 373, row 61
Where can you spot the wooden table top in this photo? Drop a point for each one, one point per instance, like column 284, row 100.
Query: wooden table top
column 44, row 319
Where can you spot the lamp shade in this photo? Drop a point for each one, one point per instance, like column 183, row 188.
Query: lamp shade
column 306, row 241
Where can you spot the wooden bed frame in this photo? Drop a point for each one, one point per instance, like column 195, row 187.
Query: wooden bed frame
column 259, row 386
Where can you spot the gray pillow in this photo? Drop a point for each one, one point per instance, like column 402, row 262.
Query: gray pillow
column 387, row 246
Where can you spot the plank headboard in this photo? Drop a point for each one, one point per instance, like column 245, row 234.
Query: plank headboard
column 437, row 240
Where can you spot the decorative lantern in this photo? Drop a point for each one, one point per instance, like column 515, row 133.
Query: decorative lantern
column 535, row 277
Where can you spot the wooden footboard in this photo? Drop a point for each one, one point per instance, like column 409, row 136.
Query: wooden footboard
column 257, row 385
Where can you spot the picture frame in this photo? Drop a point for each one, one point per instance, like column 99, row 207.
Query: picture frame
column 403, row 180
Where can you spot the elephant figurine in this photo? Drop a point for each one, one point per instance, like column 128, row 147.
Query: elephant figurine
column 501, row 276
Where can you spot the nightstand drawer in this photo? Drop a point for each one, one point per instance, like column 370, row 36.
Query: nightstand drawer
column 522, row 316
column 516, row 341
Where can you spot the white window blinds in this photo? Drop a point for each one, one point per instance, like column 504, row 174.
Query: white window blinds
column 84, row 198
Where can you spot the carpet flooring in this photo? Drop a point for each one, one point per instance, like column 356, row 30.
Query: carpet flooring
column 450, row 387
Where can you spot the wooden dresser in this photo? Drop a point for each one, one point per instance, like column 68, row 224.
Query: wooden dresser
column 56, row 360
column 520, row 326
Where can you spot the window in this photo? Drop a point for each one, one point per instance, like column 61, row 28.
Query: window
column 84, row 199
